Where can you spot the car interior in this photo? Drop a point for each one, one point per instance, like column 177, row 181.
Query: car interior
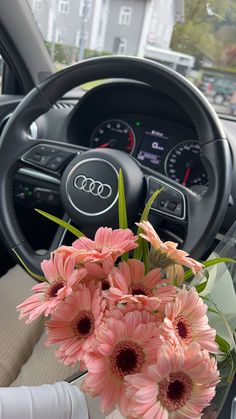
column 141, row 117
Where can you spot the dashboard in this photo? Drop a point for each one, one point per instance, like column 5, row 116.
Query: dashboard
column 147, row 124
column 169, row 148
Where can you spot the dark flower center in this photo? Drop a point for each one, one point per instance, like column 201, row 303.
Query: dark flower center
column 183, row 329
column 175, row 391
column 105, row 285
column 127, row 358
column 83, row 324
column 138, row 289
column 54, row 288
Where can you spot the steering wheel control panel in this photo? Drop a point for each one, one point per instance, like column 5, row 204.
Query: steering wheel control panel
column 51, row 158
column 169, row 202
column 35, row 192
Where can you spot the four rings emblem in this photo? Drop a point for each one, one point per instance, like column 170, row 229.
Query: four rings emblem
column 92, row 186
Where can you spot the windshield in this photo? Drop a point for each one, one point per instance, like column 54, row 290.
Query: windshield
column 193, row 37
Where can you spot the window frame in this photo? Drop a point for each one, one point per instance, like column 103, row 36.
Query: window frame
column 81, row 8
column 63, row 6
column 37, row 5
column 125, row 15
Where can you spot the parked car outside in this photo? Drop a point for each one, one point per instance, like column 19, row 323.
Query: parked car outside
column 222, row 89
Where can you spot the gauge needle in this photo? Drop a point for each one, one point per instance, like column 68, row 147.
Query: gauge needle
column 110, row 143
column 187, row 173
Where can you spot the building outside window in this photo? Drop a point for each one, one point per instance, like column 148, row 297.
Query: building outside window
column 85, row 8
column 58, row 36
column 125, row 15
column 81, row 40
column 37, row 5
column 119, row 46
column 63, row 6
column 160, row 30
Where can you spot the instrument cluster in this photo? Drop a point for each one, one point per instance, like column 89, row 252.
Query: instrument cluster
column 167, row 147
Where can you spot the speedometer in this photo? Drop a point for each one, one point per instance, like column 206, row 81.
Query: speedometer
column 183, row 164
column 113, row 133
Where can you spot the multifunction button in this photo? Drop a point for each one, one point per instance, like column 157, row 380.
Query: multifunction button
column 169, row 201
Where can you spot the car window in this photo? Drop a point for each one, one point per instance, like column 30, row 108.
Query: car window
column 194, row 37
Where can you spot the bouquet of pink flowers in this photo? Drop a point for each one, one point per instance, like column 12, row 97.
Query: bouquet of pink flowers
column 120, row 306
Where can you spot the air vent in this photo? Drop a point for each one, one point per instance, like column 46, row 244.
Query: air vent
column 63, row 105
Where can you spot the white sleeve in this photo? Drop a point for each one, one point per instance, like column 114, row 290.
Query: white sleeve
column 60, row 401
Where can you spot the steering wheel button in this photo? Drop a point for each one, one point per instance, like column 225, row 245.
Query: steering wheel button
column 179, row 210
column 53, row 165
column 56, row 163
column 46, row 151
column 171, row 206
column 44, row 196
column 161, row 203
column 66, row 154
column 53, row 150
column 37, row 157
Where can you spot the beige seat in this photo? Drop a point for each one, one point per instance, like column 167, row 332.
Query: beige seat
column 24, row 360
column 43, row 368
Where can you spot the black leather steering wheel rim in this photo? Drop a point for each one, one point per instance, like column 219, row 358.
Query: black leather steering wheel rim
column 214, row 146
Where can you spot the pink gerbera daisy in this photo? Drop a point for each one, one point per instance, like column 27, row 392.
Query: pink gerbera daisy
column 164, row 254
column 186, row 321
column 62, row 279
column 74, row 324
column 179, row 385
column 107, row 242
column 123, row 347
column 129, row 282
column 99, row 272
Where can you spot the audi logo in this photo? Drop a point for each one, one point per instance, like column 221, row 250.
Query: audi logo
column 92, row 186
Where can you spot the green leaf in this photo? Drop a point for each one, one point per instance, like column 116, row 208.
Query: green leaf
column 215, row 261
column 222, row 343
column 61, row 222
column 208, row 263
column 145, row 214
column 34, row 275
column 188, row 274
column 146, row 256
column 122, row 211
column 201, row 287
column 206, row 273
column 138, row 253
column 228, row 326
column 211, row 310
column 123, row 223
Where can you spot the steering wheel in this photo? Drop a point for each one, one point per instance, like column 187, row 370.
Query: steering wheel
column 88, row 179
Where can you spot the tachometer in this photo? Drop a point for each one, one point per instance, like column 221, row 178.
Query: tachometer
column 183, row 164
column 113, row 133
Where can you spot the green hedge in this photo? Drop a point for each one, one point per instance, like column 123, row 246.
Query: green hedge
column 217, row 69
column 68, row 54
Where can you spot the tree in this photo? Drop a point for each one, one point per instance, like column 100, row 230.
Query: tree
column 229, row 56
column 209, row 28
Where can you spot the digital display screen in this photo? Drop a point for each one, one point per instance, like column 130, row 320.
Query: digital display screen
column 152, row 148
